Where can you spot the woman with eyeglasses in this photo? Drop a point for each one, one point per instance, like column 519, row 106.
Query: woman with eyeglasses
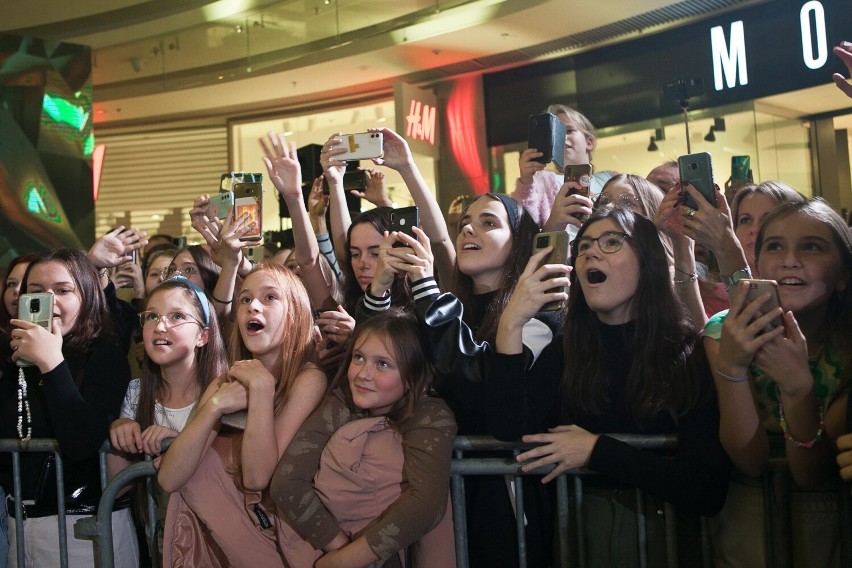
column 627, row 362
column 184, row 350
column 71, row 388
column 196, row 265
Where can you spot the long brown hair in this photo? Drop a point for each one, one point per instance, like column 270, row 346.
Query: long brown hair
column 400, row 333
column 298, row 346
column 663, row 340
column 523, row 231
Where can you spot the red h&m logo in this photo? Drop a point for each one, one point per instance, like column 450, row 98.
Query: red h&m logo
column 421, row 122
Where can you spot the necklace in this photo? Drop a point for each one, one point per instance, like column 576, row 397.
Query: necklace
column 23, row 404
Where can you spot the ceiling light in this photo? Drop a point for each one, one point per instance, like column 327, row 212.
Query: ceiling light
column 711, row 135
column 652, row 147
column 719, row 124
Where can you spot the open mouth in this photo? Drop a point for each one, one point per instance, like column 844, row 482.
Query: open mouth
column 254, row 325
column 595, row 276
column 162, row 342
column 470, row 246
column 791, row 282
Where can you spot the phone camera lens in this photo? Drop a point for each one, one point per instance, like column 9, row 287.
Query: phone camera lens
column 35, row 306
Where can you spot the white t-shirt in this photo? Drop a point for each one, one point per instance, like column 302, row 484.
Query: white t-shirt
column 172, row 418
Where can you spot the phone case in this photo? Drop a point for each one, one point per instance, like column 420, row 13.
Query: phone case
column 361, row 146
column 697, row 170
column 559, row 255
column 403, row 219
column 220, row 204
column 582, row 174
column 38, row 309
column 757, row 288
column 248, row 198
column 228, row 179
column 740, row 166
column 547, row 135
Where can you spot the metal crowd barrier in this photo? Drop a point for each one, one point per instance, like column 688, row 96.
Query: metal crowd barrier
column 776, row 499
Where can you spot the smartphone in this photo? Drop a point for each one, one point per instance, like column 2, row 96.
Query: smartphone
column 220, row 204
column 740, row 168
column 354, row 180
column 697, row 171
column 134, row 256
column 38, row 309
column 402, row 220
column 758, row 288
column 546, row 133
column 559, row 255
column 582, row 174
column 254, row 254
column 179, row 242
column 361, row 146
column 248, row 198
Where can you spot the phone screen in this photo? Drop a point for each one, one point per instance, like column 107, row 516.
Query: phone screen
column 247, row 200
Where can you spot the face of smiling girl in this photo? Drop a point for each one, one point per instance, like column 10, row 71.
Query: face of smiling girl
column 374, row 378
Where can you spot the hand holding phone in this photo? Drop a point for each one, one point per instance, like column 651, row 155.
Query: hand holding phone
column 697, row 170
column 757, row 288
column 248, row 199
column 36, row 308
column 403, row 220
column 559, row 255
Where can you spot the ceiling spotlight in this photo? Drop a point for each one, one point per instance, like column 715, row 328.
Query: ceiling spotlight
column 652, row 147
column 239, row 29
column 719, row 124
column 711, row 135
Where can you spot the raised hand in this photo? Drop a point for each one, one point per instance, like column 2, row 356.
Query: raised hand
column 115, row 247
column 282, row 164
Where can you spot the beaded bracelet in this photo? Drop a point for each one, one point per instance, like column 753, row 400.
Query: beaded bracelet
column 789, row 437
column 731, row 378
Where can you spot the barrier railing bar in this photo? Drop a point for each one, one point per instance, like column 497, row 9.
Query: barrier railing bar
column 706, row 545
column 459, row 517
column 563, row 518
column 641, row 529
column 581, row 529
column 519, row 521
column 36, row 445
column 671, row 535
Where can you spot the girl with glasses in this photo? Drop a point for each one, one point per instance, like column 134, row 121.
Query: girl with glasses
column 219, row 467
column 71, row 391
column 183, row 352
column 627, row 362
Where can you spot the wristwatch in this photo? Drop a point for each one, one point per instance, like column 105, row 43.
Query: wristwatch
column 738, row 275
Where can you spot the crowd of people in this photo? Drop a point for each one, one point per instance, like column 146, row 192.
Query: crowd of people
column 312, row 398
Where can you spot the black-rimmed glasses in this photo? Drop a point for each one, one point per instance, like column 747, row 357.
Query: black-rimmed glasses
column 609, row 242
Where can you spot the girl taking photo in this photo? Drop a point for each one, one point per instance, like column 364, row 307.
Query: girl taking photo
column 70, row 390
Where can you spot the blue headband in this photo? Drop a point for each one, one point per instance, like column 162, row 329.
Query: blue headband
column 202, row 297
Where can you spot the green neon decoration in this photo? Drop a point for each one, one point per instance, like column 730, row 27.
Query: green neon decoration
column 40, row 203
column 61, row 110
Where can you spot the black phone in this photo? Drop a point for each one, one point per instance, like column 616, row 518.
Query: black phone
column 559, row 255
column 352, row 180
column 547, row 135
column 697, row 170
column 403, row 220
column 248, row 198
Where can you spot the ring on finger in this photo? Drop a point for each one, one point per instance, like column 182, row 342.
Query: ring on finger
column 691, row 213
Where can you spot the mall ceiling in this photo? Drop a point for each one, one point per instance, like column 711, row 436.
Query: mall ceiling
column 160, row 60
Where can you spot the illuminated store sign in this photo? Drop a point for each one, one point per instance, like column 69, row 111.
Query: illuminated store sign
column 417, row 118
column 730, row 64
